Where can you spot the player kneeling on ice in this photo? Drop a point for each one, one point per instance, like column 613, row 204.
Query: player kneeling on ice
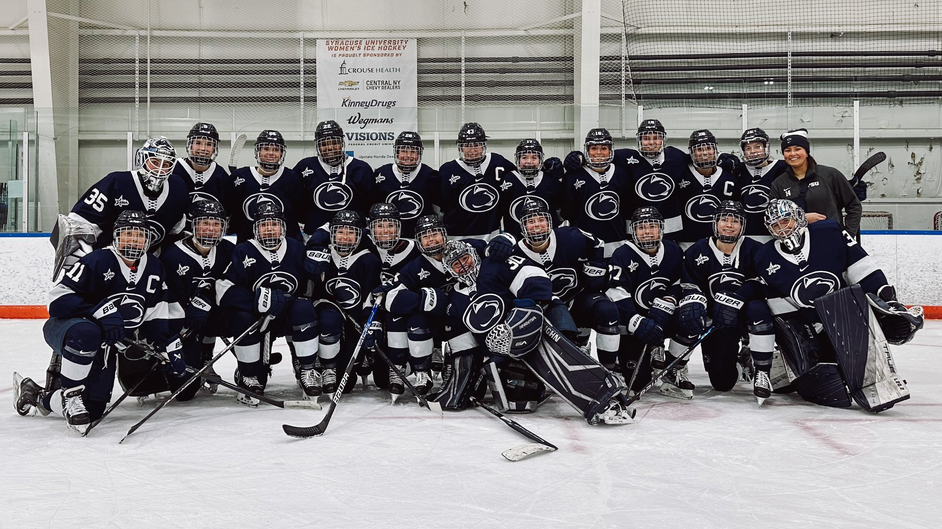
column 496, row 311
column 109, row 296
column 833, row 331
column 266, row 277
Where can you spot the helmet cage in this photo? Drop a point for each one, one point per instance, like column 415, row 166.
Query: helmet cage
column 262, row 230
column 728, row 215
column 791, row 235
column 462, row 261
column 200, row 158
column 267, row 165
column 533, row 237
column 405, row 149
column 381, row 226
column 345, row 247
column 330, row 149
column 644, row 150
column 646, row 224
column 131, row 245
column 209, row 237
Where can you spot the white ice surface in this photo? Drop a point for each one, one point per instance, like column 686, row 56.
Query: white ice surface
column 715, row 461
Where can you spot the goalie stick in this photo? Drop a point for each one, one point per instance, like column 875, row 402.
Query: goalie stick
column 871, row 162
column 235, row 151
column 303, row 432
column 654, row 380
column 518, row 452
column 433, row 406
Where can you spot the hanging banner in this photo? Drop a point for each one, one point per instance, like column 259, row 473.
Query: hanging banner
column 369, row 87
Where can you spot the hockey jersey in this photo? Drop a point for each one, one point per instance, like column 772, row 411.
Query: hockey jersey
column 288, row 269
column 547, row 187
column 708, row 270
column 348, row 282
column 594, row 204
column 250, row 189
column 573, row 262
column 470, row 197
column 753, row 184
column 700, row 196
column 636, row 278
column 213, row 184
column 412, row 196
column 422, row 272
column 394, row 259
column 190, row 273
column 331, row 189
column 654, row 183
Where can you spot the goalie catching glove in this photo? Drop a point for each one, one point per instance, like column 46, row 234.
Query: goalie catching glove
column 899, row 324
column 520, row 333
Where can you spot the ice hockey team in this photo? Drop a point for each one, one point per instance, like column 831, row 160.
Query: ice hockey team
column 485, row 279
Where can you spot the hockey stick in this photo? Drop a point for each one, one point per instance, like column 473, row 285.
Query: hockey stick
column 283, row 404
column 304, row 432
column 634, row 372
column 874, row 160
column 196, row 376
column 235, row 151
column 519, row 452
column 121, row 399
column 433, row 406
column 683, row 356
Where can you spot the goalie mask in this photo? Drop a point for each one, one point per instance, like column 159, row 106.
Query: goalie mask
column 209, row 222
column 729, row 222
column 599, row 149
column 536, row 223
column 755, row 147
column 154, row 162
column 270, row 150
column 651, row 138
column 431, row 235
column 408, row 151
column 385, row 226
column 132, row 236
column 786, row 222
column 346, row 230
column 529, row 158
column 703, row 151
column 647, row 228
column 328, row 138
column 472, row 144
column 461, row 261
column 202, row 144
column 269, row 227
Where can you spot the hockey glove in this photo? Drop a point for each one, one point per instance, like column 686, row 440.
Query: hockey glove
column 378, row 295
column 172, row 355
column 270, row 301
column 501, row 247
column 662, row 310
column 729, row 162
column 692, row 314
column 197, row 314
column 552, row 165
column 374, row 333
column 726, row 307
column 110, row 321
column 574, row 161
column 316, row 263
column 646, row 330
column 433, row 301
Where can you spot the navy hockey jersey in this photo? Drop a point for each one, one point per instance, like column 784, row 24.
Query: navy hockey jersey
column 470, row 198
column 754, row 184
column 700, row 196
column 573, row 261
column 213, row 184
column 412, row 196
column 654, row 183
column 394, row 259
column 349, row 281
column 547, row 187
column 635, row 278
column 287, row 268
column 189, row 273
column 594, row 204
column 422, row 272
column 250, row 189
column 708, row 270
column 331, row 189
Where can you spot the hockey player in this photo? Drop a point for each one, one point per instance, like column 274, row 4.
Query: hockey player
column 573, row 261
column 333, row 180
column 643, row 282
column 597, row 192
column 204, row 178
column 408, row 184
column 754, row 179
column 269, row 181
column 150, row 188
column 194, row 265
column 472, row 186
column 265, row 279
column 702, row 187
column 714, row 274
column 531, row 182
column 821, row 322
column 496, row 310
column 109, row 296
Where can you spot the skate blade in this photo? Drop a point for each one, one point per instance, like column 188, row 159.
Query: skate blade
column 79, row 428
column 393, row 399
column 760, row 401
column 248, row 401
column 675, row 392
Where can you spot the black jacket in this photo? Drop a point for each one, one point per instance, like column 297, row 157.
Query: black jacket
column 826, row 192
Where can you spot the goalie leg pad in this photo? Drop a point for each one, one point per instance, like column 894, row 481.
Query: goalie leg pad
column 823, row 384
column 515, row 386
column 801, row 346
column 466, row 380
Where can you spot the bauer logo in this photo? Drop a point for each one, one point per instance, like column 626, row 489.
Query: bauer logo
column 654, row 187
column 603, row 206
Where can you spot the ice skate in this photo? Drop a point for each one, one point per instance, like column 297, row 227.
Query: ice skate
column 329, row 381
column 616, row 413
column 27, row 396
column 438, row 362
column 423, row 382
column 73, row 409
column 762, row 387
column 396, row 387
column 676, row 384
column 210, row 387
column 658, row 358
column 250, row 383
column 311, row 383
column 744, row 365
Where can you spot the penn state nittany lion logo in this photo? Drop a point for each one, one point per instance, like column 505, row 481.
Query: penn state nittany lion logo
column 701, row 208
column 196, row 196
column 518, row 203
column 484, row 313
column 649, row 290
column 157, row 230
column 251, row 203
column 277, row 279
column 603, row 206
column 812, row 286
column 755, row 198
column 346, row 292
column 564, row 280
column 654, row 187
column 332, row 196
column 725, row 281
column 478, row 198
column 131, row 308
column 409, row 203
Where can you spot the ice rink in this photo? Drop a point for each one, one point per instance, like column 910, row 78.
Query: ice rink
column 715, row 461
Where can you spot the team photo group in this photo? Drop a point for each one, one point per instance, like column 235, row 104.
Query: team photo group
column 491, row 280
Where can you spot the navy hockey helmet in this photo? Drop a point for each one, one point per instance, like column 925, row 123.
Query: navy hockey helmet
column 269, row 227
column 269, row 159
column 786, row 222
column 202, row 144
column 329, row 141
column 461, row 261
column 651, row 138
column 472, row 144
column 385, row 226
column 703, row 151
column 536, row 223
column 154, row 162
column 408, row 151
column 346, row 231
column 647, row 228
column 209, row 222
column 754, row 157
column 132, row 234
column 601, row 159
column 733, row 218
column 430, row 234
column 529, row 165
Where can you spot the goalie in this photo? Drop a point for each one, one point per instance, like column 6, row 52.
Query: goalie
column 833, row 331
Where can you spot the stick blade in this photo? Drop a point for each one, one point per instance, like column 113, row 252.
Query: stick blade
column 523, row 451
column 434, row 406
column 303, row 432
column 302, row 405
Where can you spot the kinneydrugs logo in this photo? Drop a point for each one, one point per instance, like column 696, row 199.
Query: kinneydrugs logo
column 366, row 103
